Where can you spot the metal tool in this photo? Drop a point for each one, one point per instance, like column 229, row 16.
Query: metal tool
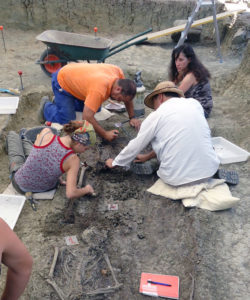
column 1, row 28
column 120, row 124
column 10, row 91
column 29, row 197
column 190, row 22
column 20, row 73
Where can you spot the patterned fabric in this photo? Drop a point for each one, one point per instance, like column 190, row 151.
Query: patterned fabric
column 85, row 134
column 43, row 167
column 202, row 92
column 81, row 138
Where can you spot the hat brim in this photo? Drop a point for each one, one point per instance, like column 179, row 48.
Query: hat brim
column 148, row 101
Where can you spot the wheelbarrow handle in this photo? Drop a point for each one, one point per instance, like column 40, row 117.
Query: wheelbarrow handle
column 130, row 39
column 122, row 48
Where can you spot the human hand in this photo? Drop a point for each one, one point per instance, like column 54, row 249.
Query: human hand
column 89, row 190
column 111, row 135
column 135, row 123
column 141, row 158
column 61, row 181
column 108, row 163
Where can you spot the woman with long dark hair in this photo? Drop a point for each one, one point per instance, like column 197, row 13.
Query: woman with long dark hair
column 191, row 76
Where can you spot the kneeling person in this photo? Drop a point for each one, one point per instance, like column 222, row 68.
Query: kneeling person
column 84, row 87
column 180, row 138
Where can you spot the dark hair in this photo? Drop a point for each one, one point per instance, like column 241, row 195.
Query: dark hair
column 128, row 87
column 72, row 126
column 167, row 94
column 171, row 94
column 200, row 72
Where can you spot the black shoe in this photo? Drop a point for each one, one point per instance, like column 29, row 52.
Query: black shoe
column 230, row 177
column 22, row 133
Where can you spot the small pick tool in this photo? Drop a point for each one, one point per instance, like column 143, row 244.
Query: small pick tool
column 20, row 73
column 1, row 28
column 120, row 124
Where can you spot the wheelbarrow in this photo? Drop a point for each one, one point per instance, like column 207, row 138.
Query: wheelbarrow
column 64, row 47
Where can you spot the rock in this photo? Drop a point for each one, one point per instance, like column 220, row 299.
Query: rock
column 193, row 35
column 239, row 37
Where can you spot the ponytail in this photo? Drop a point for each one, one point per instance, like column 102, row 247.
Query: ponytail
column 72, row 126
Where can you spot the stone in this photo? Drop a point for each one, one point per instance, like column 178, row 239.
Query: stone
column 239, row 37
column 193, row 35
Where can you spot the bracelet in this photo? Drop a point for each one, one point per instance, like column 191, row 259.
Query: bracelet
column 133, row 117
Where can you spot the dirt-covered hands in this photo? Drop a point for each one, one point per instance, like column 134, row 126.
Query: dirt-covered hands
column 89, row 190
column 111, row 135
column 135, row 123
column 108, row 163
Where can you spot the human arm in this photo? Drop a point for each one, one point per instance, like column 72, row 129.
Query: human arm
column 88, row 115
column 133, row 121
column 71, row 167
column 16, row 257
column 144, row 157
column 145, row 135
column 188, row 81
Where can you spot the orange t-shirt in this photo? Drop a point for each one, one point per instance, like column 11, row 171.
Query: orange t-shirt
column 91, row 83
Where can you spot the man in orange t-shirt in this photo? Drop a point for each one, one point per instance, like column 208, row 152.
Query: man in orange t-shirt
column 84, row 87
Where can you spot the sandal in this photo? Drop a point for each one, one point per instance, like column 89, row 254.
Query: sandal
column 230, row 177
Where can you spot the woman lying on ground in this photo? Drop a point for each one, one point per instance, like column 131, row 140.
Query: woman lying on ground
column 50, row 157
column 191, row 76
column 17, row 259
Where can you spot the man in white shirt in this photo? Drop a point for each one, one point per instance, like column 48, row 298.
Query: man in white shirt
column 180, row 138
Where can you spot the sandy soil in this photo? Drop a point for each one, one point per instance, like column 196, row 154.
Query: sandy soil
column 147, row 233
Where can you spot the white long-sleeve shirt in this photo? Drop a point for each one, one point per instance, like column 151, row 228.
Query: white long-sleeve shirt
column 180, row 137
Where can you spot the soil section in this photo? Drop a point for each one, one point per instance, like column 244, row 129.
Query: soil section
column 147, row 233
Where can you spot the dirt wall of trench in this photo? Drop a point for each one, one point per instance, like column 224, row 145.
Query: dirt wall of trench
column 107, row 15
column 208, row 250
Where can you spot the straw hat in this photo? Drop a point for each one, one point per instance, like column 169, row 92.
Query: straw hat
column 162, row 87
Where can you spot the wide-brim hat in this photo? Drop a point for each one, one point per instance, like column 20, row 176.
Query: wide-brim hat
column 162, row 87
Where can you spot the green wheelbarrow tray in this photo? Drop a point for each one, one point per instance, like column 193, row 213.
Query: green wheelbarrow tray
column 75, row 46
column 63, row 47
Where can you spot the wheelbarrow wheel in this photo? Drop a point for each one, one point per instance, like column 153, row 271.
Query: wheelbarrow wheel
column 48, row 68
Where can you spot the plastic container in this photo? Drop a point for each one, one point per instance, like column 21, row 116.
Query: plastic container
column 8, row 105
column 228, row 152
column 10, row 208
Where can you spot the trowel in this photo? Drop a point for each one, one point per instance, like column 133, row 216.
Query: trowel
column 10, row 91
column 120, row 124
